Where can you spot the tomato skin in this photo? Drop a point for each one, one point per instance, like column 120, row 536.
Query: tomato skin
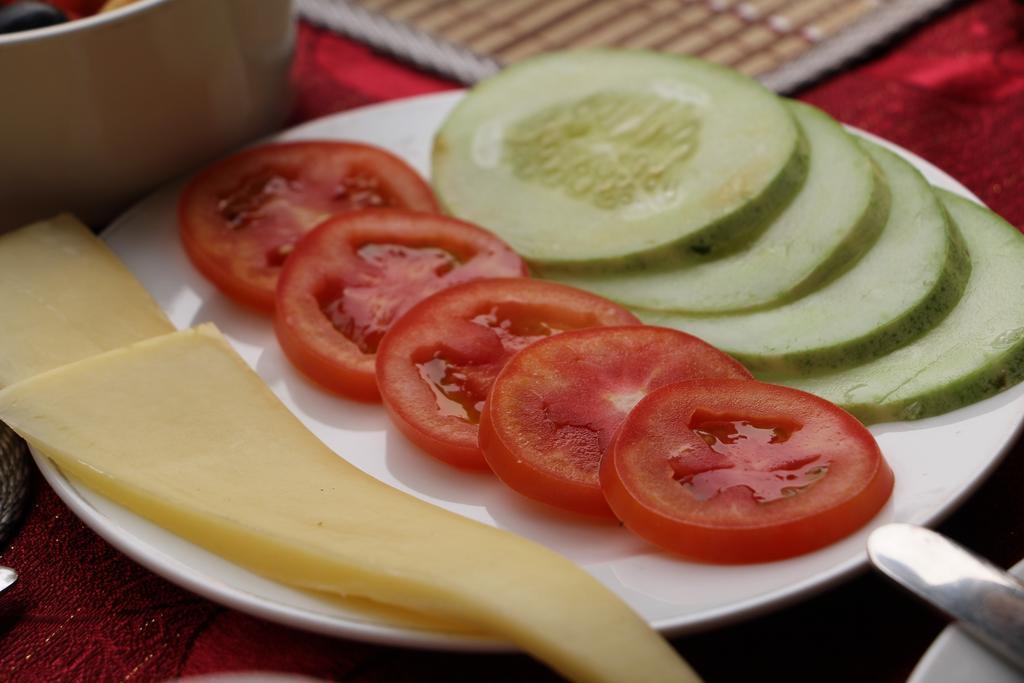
column 447, row 325
column 330, row 267
column 555, row 407
column 240, row 217
column 731, row 526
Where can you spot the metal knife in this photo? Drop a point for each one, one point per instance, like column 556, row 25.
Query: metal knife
column 7, row 577
column 987, row 601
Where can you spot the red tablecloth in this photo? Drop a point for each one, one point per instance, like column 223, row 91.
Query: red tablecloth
column 953, row 92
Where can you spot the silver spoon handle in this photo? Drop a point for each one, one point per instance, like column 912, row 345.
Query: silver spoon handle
column 988, row 602
column 7, row 577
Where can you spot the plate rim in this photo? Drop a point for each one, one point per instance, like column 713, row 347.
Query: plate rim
column 380, row 633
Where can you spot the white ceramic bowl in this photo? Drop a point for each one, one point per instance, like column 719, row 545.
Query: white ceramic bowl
column 95, row 112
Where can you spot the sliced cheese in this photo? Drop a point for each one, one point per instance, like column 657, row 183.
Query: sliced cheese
column 65, row 296
column 187, row 436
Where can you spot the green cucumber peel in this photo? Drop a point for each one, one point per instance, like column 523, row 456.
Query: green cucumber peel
column 896, row 292
column 973, row 353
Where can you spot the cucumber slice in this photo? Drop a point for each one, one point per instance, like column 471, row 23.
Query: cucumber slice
column 976, row 351
column 902, row 287
column 836, row 217
column 600, row 159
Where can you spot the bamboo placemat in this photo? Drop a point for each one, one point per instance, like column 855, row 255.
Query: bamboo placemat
column 784, row 43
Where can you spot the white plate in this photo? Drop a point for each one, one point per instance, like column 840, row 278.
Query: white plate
column 938, row 461
column 955, row 657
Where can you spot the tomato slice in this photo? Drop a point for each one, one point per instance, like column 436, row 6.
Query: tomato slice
column 436, row 365
column 740, row 471
column 242, row 216
column 555, row 407
column 355, row 274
